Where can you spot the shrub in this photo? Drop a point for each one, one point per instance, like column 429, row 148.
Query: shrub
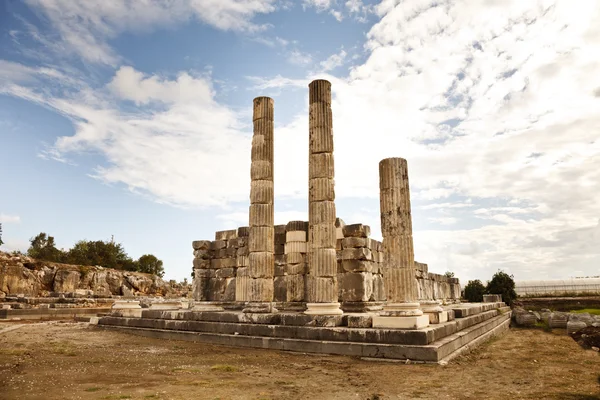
column 474, row 291
column 503, row 284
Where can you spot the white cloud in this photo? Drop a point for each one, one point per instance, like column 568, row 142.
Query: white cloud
column 334, row 61
column 9, row 219
column 296, row 57
column 319, row 5
column 85, row 26
column 337, row 15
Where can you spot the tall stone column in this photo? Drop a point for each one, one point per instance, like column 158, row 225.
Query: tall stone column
column 402, row 307
column 257, row 286
column 321, row 280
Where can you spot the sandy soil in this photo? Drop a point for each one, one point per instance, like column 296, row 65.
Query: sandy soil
column 75, row 361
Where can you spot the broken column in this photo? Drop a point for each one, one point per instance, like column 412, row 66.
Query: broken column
column 257, row 286
column 321, row 281
column 402, row 307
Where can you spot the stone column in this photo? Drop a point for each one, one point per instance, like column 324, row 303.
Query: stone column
column 258, row 284
column 321, row 281
column 402, row 307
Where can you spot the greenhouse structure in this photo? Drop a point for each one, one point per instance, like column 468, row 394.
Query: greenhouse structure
column 558, row 287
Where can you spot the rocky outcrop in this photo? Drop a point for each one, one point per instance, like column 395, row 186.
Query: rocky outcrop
column 24, row 275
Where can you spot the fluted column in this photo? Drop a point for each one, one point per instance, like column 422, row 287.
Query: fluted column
column 257, row 287
column 402, row 307
column 321, row 280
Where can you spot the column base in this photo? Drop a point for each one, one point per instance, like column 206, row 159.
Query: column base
column 206, row 306
column 323, row 309
column 260, row 307
column 436, row 313
column 401, row 310
column 406, row 322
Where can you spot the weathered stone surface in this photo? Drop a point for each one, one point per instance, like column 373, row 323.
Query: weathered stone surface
column 321, row 189
column 358, row 265
column 357, row 230
column 261, row 170
column 322, row 236
column 323, row 262
column 296, row 269
column 279, row 249
column 574, row 326
column 201, row 244
column 356, row 286
column 360, row 321
column 280, row 238
column 280, row 259
column 66, row 281
column 588, row 337
column 262, row 264
column 297, row 226
column 201, row 263
column 217, row 263
column 360, row 253
column 321, row 289
column 280, row 230
column 295, row 258
column 558, row 320
column 352, row 242
column 261, row 191
column 226, row 235
column 205, row 254
column 225, row 273
column 321, row 165
column 261, row 215
column 295, row 236
column 261, row 239
column 218, row 245
column 296, row 247
column 243, row 231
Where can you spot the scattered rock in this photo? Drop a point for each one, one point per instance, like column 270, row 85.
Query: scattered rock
column 587, row 337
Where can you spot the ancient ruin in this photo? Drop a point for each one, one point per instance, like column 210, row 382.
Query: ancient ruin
column 319, row 285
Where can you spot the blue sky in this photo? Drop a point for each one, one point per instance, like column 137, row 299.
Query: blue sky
column 133, row 119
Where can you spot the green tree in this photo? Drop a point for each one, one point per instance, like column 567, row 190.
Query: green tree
column 474, row 291
column 43, row 248
column 503, row 284
column 151, row 265
column 1, row 242
column 105, row 254
column 449, row 274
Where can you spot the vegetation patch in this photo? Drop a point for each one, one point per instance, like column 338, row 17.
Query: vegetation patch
column 593, row 311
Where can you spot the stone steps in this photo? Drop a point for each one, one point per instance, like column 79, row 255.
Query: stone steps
column 441, row 350
column 205, row 322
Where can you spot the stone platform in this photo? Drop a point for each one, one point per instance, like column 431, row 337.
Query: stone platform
column 51, row 313
column 348, row 334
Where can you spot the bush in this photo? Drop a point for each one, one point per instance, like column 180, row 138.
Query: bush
column 474, row 291
column 503, row 284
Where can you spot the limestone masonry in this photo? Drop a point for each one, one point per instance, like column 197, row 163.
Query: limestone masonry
column 318, row 286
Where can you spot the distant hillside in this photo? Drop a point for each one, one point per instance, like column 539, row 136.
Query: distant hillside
column 20, row 274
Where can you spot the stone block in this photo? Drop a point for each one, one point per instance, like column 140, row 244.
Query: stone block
column 492, row 298
column 205, row 254
column 279, row 249
column 261, row 192
column 221, row 253
column 360, row 321
column 321, row 189
column 218, row 263
column 321, row 212
column 353, row 242
column 201, row 244
column 320, row 140
column 279, row 270
column 297, row 226
column 243, row 231
column 321, row 289
column 558, row 320
column 418, row 322
column 261, row 264
column 225, row 235
column 358, row 265
column 237, row 242
column 356, row 286
column 357, row 254
column 243, row 272
column 295, row 236
column 230, row 252
column 280, row 229
column 379, row 293
column 295, row 258
column 338, row 243
column 280, row 259
column 242, row 251
column 225, row 273
column 279, row 289
column 261, row 215
column 261, row 239
column 321, row 236
column 321, row 165
column 295, row 247
column 296, row 269
column 574, row 326
column 323, row 262
column 201, row 263
column 260, row 170
column 218, row 245
column 280, row 238
column 357, row 230
column 204, row 273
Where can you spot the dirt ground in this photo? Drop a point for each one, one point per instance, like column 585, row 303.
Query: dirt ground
column 75, row 361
